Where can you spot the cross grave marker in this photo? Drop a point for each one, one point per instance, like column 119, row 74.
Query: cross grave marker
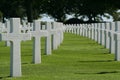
column 15, row 37
column 37, row 34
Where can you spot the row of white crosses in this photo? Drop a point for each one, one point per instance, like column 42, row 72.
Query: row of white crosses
column 3, row 29
column 106, row 34
column 15, row 36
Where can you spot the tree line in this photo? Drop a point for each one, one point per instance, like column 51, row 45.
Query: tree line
column 91, row 10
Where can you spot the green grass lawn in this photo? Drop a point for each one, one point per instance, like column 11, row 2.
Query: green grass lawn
column 77, row 58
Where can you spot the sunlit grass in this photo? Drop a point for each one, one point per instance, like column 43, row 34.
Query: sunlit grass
column 77, row 58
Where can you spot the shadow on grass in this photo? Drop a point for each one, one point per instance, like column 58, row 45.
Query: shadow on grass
column 26, row 55
column 1, row 78
column 25, row 63
column 108, row 72
column 105, row 72
column 97, row 61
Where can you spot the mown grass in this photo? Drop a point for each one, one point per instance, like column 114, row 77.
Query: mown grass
column 77, row 58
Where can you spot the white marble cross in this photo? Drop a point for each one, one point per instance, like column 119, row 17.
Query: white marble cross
column 3, row 29
column 1, row 26
column 93, row 32
column 48, row 39
column 112, row 24
column 26, row 27
column 37, row 34
column 99, row 33
column 29, row 27
column 7, row 24
column 89, row 31
column 103, row 33
column 15, row 37
column 96, row 31
column 107, row 45
column 117, row 41
column 55, row 36
column 61, row 30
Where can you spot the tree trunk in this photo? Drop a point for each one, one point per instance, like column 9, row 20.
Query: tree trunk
column 90, row 17
column 29, row 10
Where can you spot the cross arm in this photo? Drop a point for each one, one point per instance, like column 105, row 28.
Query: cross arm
column 13, row 37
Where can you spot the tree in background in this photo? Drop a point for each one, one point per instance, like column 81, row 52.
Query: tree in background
column 56, row 9
column 29, row 9
column 1, row 15
column 90, row 9
column 114, row 10
column 11, row 8
column 33, row 9
column 93, row 10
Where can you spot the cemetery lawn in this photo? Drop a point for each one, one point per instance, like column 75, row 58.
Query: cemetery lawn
column 77, row 58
